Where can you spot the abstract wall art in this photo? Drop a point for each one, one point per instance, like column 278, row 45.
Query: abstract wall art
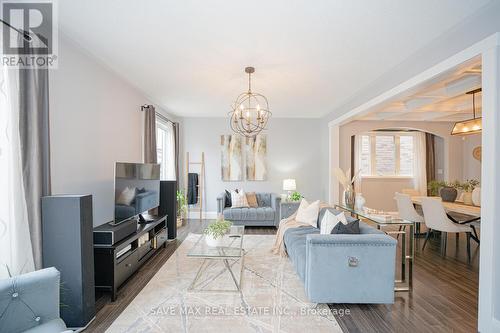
column 231, row 157
column 256, row 157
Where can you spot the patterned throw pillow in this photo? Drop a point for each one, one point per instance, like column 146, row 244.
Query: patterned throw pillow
column 329, row 221
column 252, row 200
column 239, row 199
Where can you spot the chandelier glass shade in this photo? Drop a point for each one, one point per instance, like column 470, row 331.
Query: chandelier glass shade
column 470, row 126
column 250, row 112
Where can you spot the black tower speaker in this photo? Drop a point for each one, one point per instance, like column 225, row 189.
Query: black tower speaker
column 68, row 246
column 168, row 205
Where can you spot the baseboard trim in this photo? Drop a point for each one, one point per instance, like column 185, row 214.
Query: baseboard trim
column 206, row 215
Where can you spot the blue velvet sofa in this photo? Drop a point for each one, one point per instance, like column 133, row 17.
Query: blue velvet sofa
column 266, row 214
column 30, row 303
column 344, row 268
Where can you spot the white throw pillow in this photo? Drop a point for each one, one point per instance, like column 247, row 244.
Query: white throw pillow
column 126, row 197
column 239, row 199
column 308, row 213
column 329, row 221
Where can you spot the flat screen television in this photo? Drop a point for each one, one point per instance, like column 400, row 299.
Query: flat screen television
column 137, row 190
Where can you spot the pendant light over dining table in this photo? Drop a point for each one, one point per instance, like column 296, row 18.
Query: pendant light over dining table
column 250, row 112
column 470, row 126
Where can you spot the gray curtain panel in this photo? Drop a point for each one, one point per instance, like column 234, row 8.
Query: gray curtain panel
column 150, row 134
column 176, row 142
column 35, row 148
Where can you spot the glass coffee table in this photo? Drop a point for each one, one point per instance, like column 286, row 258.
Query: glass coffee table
column 230, row 253
column 407, row 247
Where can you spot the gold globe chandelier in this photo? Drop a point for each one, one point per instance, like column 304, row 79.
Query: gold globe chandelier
column 250, row 111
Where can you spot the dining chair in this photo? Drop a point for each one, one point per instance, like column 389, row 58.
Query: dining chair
column 436, row 219
column 407, row 210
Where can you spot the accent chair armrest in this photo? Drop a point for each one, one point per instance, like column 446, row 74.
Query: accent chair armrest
column 29, row 300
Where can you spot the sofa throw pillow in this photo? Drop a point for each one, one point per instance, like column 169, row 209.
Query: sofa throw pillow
column 308, row 213
column 126, row 196
column 227, row 199
column 239, row 199
column 330, row 220
column 351, row 228
column 252, row 200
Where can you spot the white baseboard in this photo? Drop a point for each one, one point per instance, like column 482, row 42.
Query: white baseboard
column 206, row 215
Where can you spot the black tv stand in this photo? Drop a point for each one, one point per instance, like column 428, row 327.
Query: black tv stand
column 114, row 264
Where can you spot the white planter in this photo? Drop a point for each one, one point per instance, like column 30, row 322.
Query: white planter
column 359, row 202
column 476, row 196
column 467, row 198
column 213, row 242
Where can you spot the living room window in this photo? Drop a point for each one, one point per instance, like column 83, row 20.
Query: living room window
column 386, row 154
column 165, row 149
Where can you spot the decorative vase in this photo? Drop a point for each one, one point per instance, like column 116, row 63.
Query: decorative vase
column 448, row 193
column 179, row 221
column 213, row 242
column 467, row 198
column 359, row 201
column 349, row 198
column 476, row 196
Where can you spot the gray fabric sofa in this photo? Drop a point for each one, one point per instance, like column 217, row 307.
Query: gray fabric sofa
column 30, row 303
column 344, row 268
column 267, row 214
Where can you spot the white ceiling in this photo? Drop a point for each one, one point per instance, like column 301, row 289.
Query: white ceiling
column 443, row 99
column 310, row 56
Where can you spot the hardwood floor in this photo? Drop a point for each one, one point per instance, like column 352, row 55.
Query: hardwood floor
column 444, row 298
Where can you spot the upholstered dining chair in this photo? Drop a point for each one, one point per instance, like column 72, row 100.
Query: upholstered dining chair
column 437, row 219
column 407, row 210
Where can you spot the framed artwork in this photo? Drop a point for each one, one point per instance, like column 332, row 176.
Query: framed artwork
column 231, row 158
column 256, row 157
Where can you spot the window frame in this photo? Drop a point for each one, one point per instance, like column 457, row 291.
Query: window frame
column 397, row 154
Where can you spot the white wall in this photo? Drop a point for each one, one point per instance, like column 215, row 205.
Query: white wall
column 379, row 192
column 293, row 151
column 472, row 167
column 95, row 120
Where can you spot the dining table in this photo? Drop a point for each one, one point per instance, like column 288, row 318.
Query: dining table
column 453, row 207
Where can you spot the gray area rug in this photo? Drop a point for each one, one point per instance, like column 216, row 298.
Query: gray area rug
column 272, row 297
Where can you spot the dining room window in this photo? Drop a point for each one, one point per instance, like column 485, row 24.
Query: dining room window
column 386, row 154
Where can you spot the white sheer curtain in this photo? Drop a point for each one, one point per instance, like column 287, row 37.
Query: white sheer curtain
column 357, row 162
column 16, row 255
column 165, row 147
column 419, row 165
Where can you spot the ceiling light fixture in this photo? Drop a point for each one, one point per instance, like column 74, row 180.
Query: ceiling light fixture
column 250, row 111
column 470, row 126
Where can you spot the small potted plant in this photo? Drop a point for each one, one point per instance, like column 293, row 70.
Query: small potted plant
column 181, row 207
column 295, row 196
column 467, row 187
column 215, row 232
column 434, row 186
column 449, row 191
